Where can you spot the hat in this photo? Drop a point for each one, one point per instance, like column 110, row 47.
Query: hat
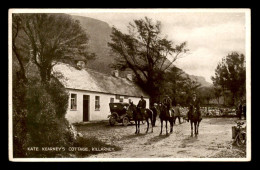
column 194, row 94
column 142, row 96
column 155, row 104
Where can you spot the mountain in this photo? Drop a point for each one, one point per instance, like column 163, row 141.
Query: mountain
column 99, row 35
column 200, row 80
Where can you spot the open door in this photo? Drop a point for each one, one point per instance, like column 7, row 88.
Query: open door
column 85, row 108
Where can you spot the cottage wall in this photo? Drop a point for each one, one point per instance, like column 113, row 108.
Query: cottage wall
column 74, row 116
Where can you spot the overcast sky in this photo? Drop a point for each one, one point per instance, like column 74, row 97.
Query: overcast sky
column 210, row 36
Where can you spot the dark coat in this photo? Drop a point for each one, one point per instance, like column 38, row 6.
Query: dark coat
column 167, row 102
column 142, row 104
column 195, row 103
column 155, row 110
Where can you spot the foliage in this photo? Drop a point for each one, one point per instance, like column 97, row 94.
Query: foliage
column 145, row 52
column 48, row 38
column 38, row 42
column 178, row 86
column 217, row 92
column 42, row 121
column 19, row 117
column 230, row 74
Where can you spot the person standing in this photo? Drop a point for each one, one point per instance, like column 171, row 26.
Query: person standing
column 155, row 112
column 239, row 110
column 177, row 113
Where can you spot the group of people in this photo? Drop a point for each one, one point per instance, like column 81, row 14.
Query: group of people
column 156, row 108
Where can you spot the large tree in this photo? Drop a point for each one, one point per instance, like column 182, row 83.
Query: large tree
column 145, row 52
column 178, row 85
column 230, row 74
column 47, row 39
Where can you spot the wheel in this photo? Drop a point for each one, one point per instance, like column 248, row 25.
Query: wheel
column 112, row 121
column 125, row 121
column 241, row 140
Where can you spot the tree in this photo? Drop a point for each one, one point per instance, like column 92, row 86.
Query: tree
column 50, row 38
column 230, row 74
column 206, row 94
column 18, row 51
column 145, row 52
column 39, row 41
column 178, row 85
column 217, row 93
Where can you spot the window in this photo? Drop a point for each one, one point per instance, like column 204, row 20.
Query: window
column 118, row 97
column 121, row 100
column 73, row 102
column 129, row 100
column 97, row 103
column 111, row 100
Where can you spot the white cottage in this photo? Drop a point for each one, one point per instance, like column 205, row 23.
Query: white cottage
column 91, row 92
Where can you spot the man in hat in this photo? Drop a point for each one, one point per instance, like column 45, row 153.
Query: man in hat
column 168, row 103
column 196, row 104
column 142, row 105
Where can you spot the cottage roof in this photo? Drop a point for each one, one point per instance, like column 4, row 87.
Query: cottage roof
column 90, row 80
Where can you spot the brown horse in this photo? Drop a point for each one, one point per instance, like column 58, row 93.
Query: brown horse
column 165, row 116
column 194, row 120
column 140, row 115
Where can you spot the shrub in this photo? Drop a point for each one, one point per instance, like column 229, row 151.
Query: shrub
column 39, row 115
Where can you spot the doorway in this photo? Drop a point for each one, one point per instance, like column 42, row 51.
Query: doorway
column 85, row 108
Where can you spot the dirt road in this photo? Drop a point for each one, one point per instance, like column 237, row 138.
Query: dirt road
column 214, row 140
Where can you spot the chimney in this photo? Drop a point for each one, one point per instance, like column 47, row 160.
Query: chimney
column 116, row 73
column 129, row 76
column 80, row 65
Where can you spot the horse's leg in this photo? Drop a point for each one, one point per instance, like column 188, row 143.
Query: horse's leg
column 135, row 126
column 171, row 123
column 191, row 128
column 195, row 128
column 138, row 126
column 198, row 127
column 166, row 128
column 161, row 126
column 147, row 121
column 152, row 125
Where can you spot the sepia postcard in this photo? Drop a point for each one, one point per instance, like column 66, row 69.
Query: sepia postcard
column 99, row 85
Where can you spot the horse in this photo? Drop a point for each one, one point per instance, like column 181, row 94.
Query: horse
column 165, row 116
column 139, row 116
column 194, row 120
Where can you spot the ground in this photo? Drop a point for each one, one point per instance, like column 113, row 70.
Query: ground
column 214, row 140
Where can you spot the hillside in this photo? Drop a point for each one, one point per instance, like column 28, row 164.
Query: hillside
column 99, row 35
column 201, row 80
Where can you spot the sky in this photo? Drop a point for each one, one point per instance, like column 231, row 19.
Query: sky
column 210, row 36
